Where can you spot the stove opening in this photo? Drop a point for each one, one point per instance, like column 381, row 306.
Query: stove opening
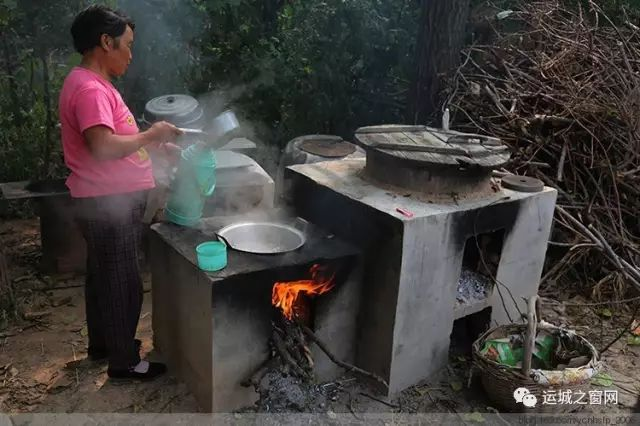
column 466, row 330
column 293, row 298
column 295, row 303
column 479, row 268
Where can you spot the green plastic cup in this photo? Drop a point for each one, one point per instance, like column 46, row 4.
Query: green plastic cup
column 212, row 256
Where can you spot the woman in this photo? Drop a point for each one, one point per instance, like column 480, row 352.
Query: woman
column 110, row 177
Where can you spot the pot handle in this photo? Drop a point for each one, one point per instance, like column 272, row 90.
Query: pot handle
column 530, row 335
column 224, row 240
column 301, row 224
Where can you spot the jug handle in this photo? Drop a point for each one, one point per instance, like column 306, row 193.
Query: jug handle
column 209, row 191
column 205, row 192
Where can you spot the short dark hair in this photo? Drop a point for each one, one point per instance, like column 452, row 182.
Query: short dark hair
column 89, row 25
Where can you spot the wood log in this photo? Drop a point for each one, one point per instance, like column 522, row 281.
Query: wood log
column 7, row 296
column 36, row 315
column 293, row 346
column 286, row 357
column 349, row 367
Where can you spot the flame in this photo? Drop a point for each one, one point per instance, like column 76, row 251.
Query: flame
column 284, row 295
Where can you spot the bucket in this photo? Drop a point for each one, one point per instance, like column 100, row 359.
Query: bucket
column 211, row 256
column 195, row 181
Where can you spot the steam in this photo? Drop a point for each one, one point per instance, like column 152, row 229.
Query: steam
column 219, row 100
column 164, row 54
column 163, row 48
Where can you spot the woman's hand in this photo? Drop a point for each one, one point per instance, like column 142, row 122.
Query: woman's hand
column 163, row 131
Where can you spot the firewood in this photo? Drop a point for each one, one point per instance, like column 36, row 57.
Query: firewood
column 309, row 356
column 63, row 301
column 349, row 367
column 258, row 374
column 382, row 401
column 36, row 315
column 286, row 356
column 303, row 348
column 295, row 346
column 562, row 91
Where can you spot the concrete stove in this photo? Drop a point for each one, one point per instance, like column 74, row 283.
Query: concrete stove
column 63, row 247
column 415, row 244
column 213, row 329
column 242, row 186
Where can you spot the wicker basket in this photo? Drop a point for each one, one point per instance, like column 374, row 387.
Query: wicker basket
column 500, row 381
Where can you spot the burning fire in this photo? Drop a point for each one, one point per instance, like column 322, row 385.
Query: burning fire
column 284, row 295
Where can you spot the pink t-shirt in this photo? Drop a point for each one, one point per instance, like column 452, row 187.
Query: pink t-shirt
column 88, row 100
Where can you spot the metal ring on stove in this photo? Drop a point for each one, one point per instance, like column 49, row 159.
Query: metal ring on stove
column 522, row 183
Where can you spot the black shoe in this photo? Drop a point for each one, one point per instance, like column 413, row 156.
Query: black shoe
column 155, row 369
column 100, row 354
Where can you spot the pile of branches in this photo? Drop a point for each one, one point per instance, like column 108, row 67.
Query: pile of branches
column 561, row 86
column 291, row 354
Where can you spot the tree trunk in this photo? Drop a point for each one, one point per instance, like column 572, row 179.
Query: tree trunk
column 7, row 298
column 32, row 76
column 10, row 70
column 48, row 131
column 270, row 10
column 440, row 40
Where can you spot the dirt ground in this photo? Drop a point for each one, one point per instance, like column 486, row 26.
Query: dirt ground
column 43, row 366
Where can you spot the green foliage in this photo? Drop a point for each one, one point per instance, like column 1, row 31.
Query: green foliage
column 295, row 66
column 7, row 10
column 34, row 58
column 318, row 66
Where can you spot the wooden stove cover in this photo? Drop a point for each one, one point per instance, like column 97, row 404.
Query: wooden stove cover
column 434, row 146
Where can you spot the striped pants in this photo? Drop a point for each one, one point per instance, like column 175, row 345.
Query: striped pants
column 112, row 227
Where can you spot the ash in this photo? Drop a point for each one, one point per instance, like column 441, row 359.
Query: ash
column 282, row 393
column 472, row 287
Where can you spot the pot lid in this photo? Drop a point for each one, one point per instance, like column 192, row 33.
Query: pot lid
column 181, row 110
column 429, row 146
column 330, row 147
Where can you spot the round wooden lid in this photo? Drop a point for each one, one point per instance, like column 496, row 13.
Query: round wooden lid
column 434, row 146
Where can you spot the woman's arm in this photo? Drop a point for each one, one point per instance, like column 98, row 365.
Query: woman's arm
column 105, row 145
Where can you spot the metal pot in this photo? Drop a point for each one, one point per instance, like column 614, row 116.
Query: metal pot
column 180, row 110
column 224, row 128
column 219, row 132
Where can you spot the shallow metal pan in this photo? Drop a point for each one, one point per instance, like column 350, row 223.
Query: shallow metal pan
column 262, row 237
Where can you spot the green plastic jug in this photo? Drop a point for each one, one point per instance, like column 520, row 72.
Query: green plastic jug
column 194, row 182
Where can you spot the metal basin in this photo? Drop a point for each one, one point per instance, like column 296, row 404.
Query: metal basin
column 262, row 237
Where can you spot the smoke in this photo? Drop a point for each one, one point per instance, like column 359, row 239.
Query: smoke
column 226, row 97
column 164, row 55
column 251, row 191
column 164, row 49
